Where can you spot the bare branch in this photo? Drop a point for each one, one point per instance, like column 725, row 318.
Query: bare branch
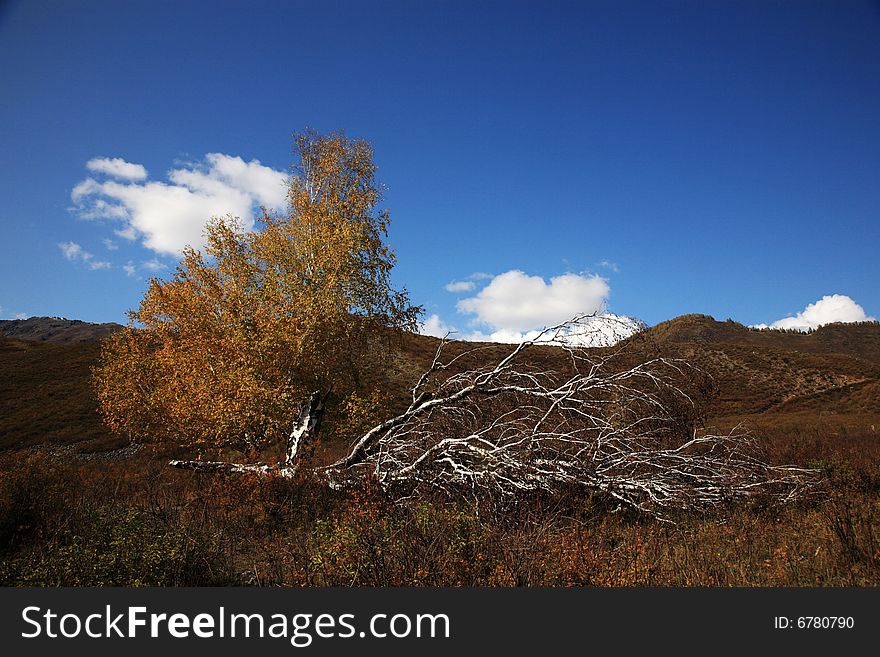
column 232, row 468
column 513, row 428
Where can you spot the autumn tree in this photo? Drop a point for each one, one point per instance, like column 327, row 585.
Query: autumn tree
column 228, row 351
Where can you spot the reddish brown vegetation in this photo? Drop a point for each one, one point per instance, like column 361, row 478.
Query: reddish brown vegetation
column 137, row 522
column 74, row 515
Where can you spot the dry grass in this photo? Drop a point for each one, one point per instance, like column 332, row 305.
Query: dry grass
column 135, row 521
column 46, row 395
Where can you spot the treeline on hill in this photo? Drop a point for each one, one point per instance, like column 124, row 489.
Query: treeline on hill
column 75, row 510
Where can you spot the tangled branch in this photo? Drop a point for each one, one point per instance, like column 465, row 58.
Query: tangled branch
column 512, row 428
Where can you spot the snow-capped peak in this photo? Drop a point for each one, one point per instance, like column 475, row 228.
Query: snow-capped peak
column 602, row 330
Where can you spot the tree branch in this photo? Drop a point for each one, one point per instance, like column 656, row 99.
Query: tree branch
column 509, row 429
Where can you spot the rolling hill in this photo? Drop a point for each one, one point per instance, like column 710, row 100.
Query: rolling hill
column 57, row 330
column 767, row 377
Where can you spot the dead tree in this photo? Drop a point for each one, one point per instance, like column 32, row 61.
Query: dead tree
column 509, row 429
column 304, row 432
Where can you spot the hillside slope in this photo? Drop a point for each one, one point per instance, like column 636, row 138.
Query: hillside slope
column 46, row 393
column 830, row 371
column 57, row 330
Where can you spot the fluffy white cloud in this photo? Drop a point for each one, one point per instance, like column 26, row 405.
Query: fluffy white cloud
column 169, row 216
column 827, row 310
column 436, row 327
column 460, row 286
column 516, row 302
column 117, row 168
column 513, row 307
column 75, row 253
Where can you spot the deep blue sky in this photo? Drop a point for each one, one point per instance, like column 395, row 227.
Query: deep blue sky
column 725, row 156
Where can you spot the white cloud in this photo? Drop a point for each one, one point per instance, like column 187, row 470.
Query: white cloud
column 127, row 233
column 515, row 303
column 436, row 327
column 83, row 188
column 110, row 245
column 480, row 276
column 827, row 310
column 117, row 168
column 460, row 286
column 607, row 264
column 15, row 316
column 513, row 307
column 75, row 253
column 153, row 265
column 169, row 216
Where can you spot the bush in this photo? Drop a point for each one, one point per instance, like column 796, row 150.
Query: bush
column 117, row 547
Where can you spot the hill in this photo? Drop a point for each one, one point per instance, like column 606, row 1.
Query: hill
column 813, row 397
column 767, row 377
column 832, row 371
column 46, row 395
column 57, row 330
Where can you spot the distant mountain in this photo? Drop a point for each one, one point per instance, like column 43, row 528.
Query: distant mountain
column 57, row 330
column 775, row 375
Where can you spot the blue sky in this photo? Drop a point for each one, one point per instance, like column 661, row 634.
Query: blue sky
column 662, row 157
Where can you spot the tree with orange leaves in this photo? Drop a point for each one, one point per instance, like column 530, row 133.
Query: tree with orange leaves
column 226, row 352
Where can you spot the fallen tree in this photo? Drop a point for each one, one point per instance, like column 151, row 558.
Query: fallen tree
column 508, row 429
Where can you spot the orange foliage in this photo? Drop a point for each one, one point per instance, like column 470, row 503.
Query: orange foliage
column 224, row 352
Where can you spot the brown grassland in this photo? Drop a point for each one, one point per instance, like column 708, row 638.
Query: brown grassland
column 79, row 506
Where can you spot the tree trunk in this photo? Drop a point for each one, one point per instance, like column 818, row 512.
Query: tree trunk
column 307, row 426
column 305, row 429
